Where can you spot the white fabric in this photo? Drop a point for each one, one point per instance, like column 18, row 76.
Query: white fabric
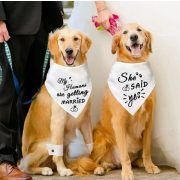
column 162, row 19
column 131, row 84
column 55, row 150
column 78, row 147
column 90, row 147
column 70, row 87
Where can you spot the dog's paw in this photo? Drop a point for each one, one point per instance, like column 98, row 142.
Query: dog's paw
column 127, row 175
column 46, row 171
column 139, row 163
column 99, row 171
column 22, row 168
column 152, row 169
column 65, row 172
column 107, row 165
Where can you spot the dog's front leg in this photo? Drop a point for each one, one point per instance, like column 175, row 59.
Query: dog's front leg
column 86, row 130
column 147, row 161
column 119, row 126
column 58, row 121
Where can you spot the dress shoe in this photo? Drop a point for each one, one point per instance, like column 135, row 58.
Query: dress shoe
column 11, row 172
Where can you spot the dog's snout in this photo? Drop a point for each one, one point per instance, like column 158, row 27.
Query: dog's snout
column 69, row 51
column 134, row 37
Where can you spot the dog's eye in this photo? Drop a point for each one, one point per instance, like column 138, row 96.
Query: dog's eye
column 62, row 39
column 75, row 38
column 138, row 29
column 125, row 32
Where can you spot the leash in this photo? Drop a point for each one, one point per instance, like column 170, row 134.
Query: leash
column 1, row 76
column 15, row 79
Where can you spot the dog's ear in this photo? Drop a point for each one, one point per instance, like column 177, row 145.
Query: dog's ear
column 85, row 43
column 148, row 41
column 115, row 43
column 53, row 44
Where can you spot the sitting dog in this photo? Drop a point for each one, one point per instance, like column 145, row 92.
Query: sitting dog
column 125, row 126
column 62, row 106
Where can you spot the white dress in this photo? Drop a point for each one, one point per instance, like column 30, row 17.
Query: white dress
column 162, row 19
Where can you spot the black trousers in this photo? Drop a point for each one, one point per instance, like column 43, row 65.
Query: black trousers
column 27, row 53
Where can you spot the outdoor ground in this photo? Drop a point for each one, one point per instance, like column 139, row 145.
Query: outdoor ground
column 166, row 174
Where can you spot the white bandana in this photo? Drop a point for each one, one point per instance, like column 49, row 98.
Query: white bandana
column 55, row 150
column 131, row 84
column 70, row 87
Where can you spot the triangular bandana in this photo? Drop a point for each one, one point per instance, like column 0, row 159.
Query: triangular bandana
column 131, row 84
column 70, row 87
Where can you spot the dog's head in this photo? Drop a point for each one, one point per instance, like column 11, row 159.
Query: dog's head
column 69, row 47
column 132, row 44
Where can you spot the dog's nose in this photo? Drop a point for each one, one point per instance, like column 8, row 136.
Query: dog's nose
column 134, row 37
column 69, row 51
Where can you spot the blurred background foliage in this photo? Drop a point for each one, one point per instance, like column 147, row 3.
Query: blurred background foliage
column 68, row 6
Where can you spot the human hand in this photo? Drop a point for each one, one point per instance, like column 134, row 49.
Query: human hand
column 4, row 34
column 103, row 18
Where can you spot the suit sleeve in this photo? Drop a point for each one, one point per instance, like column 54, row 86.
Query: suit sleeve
column 2, row 13
column 60, row 7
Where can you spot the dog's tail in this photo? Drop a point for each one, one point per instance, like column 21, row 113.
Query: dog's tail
column 83, row 166
column 102, row 147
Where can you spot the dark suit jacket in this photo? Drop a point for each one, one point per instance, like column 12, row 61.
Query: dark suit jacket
column 24, row 18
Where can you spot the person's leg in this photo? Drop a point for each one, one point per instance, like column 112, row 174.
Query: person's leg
column 8, row 115
column 33, row 76
column 8, row 98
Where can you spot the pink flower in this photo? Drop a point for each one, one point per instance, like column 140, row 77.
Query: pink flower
column 114, row 21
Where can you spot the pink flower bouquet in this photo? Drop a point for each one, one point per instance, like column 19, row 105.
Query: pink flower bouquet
column 114, row 24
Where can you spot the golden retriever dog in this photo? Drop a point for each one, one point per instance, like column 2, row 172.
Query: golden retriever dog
column 46, row 121
column 119, row 137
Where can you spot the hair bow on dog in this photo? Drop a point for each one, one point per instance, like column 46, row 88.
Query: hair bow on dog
column 114, row 21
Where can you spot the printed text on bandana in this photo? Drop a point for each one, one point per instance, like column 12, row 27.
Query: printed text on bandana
column 69, row 87
column 134, row 84
column 131, row 84
column 73, row 94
